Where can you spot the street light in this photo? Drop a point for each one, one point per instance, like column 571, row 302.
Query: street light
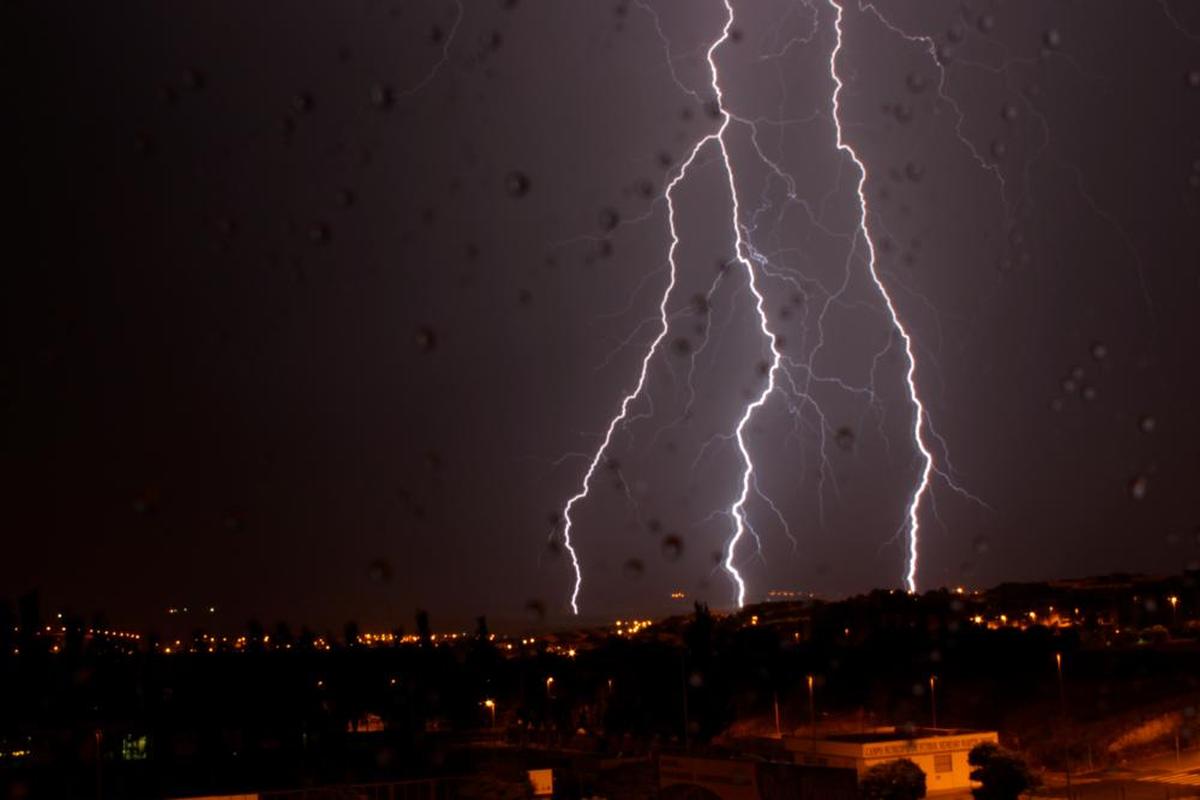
column 490, row 704
column 1174, row 601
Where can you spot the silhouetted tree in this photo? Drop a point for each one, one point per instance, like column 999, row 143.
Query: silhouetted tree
column 350, row 634
column 1004, row 774
column 283, row 634
column 254, row 635
column 893, row 780
column 423, row 630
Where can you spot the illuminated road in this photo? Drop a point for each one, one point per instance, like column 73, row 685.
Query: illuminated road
column 1162, row 778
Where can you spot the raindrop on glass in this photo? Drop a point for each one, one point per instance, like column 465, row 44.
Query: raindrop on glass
column 1138, row 487
column 516, row 184
column 844, row 438
column 672, row 547
column 382, row 96
column 426, row 339
column 1147, row 423
column 609, row 219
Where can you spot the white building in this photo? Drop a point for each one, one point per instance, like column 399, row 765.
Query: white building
column 941, row 753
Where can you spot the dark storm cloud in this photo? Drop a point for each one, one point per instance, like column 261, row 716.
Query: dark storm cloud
column 303, row 306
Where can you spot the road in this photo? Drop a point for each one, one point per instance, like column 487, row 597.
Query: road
column 1159, row 778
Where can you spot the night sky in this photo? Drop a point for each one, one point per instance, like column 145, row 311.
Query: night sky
column 316, row 311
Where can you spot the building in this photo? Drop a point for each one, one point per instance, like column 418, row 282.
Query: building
column 940, row 752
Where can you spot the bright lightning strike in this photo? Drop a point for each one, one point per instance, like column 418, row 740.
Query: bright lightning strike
column 919, row 413
column 746, row 255
column 737, row 509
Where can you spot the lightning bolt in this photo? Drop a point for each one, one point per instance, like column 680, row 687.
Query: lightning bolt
column 737, row 509
column 919, row 413
column 755, row 262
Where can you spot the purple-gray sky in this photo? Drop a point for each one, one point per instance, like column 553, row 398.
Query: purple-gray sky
column 310, row 324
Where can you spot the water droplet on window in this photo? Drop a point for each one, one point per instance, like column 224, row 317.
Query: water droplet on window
column 844, row 438
column 672, row 547
column 426, row 339
column 1138, row 487
column 382, row 96
column 516, row 184
column 916, row 82
column 1052, row 39
column 1099, row 351
column 1147, row 424
column 609, row 219
column 633, row 568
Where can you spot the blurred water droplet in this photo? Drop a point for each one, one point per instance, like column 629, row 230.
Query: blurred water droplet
column 633, row 568
column 1052, row 39
column 379, row 571
column 193, row 79
column 1077, row 372
column 986, row 23
column 609, row 219
column 1193, row 78
column 916, row 82
column 902, row 112
column 682, row 346
column 999, row 149
column 844, row 438
column 1009, row 112
column 981, row 545
column 1099, row 351
column 955, row 33
column 536, row 609
column 1069, row 385
column 1147, row 424
column 426, row 339
column 672, row 547
column 1138, row 487
column 303, row 102
column 345, row 198
column 1088, row 393
column 319, row 233
column 516, row 184
column 382, row 96
column 914, row 171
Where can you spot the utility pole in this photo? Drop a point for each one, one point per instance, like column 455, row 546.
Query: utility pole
column 812, row 712
column 1062, row 701
column 933, row 701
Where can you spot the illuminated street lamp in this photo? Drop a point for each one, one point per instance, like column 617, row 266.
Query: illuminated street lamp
column 490, row 704
column 549, row 685
column 1174, row 601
